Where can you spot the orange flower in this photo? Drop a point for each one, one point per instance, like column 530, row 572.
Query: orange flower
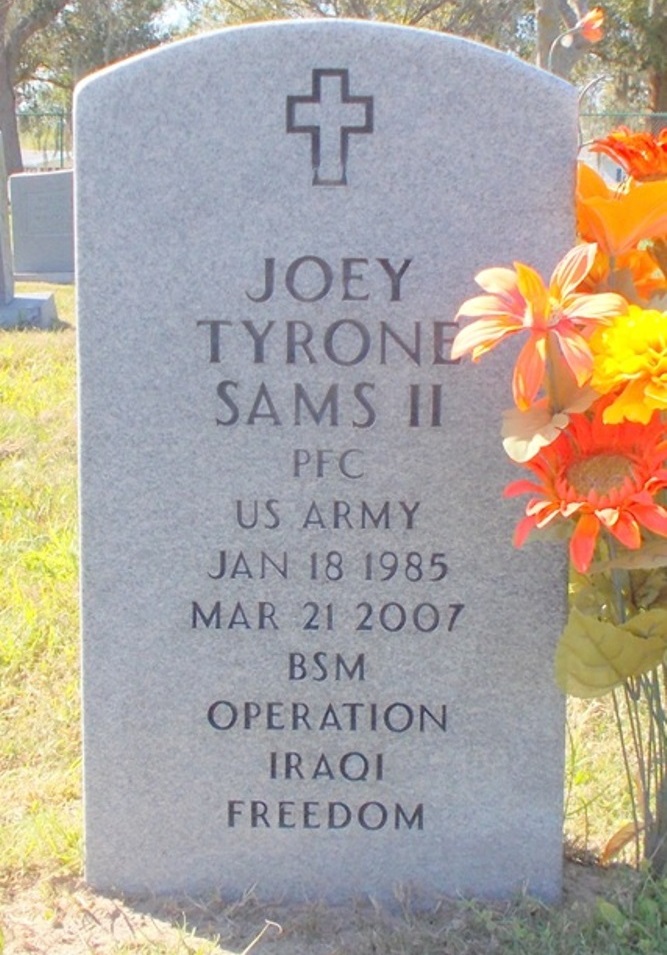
column 619, row 220
column 553, row 317
column 590, row 25
column 600, row 476
column 636, row 274
column 642, row 155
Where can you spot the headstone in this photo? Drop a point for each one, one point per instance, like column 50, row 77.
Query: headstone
column 43, row 225
column 6, row 268
column 313, row 661
column 37, row 310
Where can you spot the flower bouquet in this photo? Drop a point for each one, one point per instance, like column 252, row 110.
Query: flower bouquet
column 589, row 431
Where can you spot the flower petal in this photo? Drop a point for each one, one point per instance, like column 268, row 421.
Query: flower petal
column 498, row 280
column 572, row 269
column 522, row 530
column 652, row 517
column 630, row 405
column 481, row 336
column 529, row 371
column 583, row 541
column 576, row 353
column 626, row 530
column 526, row 432
column 535, row 293
column 494, row 305
column 596, row 307
column 522, row 486
column 620, row 222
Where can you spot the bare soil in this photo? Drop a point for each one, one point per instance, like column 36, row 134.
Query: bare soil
column 62, row 916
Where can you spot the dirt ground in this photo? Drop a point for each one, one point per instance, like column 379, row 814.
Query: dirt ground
column 64, row 917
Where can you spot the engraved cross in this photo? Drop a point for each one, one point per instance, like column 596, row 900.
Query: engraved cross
column 330, row 115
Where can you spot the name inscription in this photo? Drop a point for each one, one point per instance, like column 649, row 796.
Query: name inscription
column 284, row 610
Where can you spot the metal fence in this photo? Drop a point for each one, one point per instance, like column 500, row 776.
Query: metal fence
column 46, row 139
column 597, row 125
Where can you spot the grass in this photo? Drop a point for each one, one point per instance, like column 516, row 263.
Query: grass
column 39, row 741
column 607, row 911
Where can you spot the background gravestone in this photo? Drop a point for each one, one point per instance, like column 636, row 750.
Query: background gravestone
column 6, row 268
column 43, row 224
column 36, row 310
column 313, row 661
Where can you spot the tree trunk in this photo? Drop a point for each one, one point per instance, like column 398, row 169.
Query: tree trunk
column 658, row 104
column 38, row 15
column 554, row 17
column 8, row 121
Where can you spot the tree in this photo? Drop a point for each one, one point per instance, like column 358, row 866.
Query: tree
column 48, row 45
column 19, row 22
column 555, row 18
column 507, row 24
column 88, row 35
column 637, row 50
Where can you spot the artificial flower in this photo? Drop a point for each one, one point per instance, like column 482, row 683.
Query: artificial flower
column 527, row 432
column 601, row 477
column 642, row 155
column 553, row 317
column 636, row 275
column 631, row 355
column 618, row 220
column 590, row 25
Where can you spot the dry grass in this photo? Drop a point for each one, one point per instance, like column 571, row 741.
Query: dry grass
column 63, row 917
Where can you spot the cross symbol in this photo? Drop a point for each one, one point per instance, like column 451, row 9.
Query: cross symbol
column 330, row 116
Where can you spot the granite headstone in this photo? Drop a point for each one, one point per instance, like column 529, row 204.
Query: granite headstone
column 35, row 310
column 6, row 265
column 313, row 661
column 43, row 224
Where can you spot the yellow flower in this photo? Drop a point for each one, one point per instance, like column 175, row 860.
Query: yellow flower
column 630, row 356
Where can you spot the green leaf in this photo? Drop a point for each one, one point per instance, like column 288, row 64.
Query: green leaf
column 610, row 913
column 650, row 555
column 593, row 656
column 650, row 624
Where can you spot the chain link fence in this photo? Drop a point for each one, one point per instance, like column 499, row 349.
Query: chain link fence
column 598, row 125
column 46, row 139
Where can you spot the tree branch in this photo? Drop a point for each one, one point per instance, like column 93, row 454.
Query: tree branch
column 424, row 10
column 39, row 16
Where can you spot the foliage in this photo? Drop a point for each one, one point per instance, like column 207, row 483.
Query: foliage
column 629, row 66
column 506, row 24
column 86, row 36
column 20, row 20
column 48, row 45
column 636, row 53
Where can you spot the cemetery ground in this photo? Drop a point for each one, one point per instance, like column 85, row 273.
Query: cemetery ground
column 45, row 905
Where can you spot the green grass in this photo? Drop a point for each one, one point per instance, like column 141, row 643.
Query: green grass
column 39, row 715
column 40, row 816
